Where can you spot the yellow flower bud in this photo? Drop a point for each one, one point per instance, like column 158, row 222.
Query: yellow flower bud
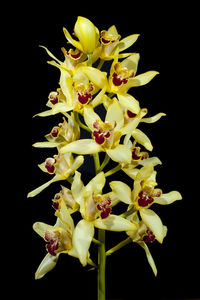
column 87, row 34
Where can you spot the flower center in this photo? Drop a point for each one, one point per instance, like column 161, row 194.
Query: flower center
column 121, row 75
column 102, row 132
column 52, row 240
column 49, row 165
column 84, row 92
column 103, row 204
column 144, row 199
column 136, row 154
column 53, row 97
column 149, row 237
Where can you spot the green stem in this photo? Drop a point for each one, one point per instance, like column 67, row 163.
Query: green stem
column 112, row 171
column 76, row 116
column 101, row 265
column 96, row 162
column 90, row 59
column 119, row 246
column 100, row 64
column 105, row 162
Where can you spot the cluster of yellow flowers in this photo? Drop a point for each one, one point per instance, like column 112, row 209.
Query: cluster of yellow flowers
column 83, row 87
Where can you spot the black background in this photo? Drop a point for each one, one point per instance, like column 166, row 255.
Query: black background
column 167, row 43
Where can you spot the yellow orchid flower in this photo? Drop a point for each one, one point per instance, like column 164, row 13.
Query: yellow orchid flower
column 87, row 34
column 106, row 135
column 95, row 209
column 110, row 40
column 75, row 93
column 73, row 59
column 59, row 239
column 143, row 196
column 138, row 158
column 122, row 75
column 62, row 134
column 61, row 166
column 144, row 236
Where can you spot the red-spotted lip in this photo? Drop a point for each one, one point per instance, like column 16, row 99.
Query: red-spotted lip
column 149, row 237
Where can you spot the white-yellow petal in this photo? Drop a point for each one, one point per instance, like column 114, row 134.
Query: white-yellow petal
column 72, row 41
column 153, row 119
column 142, row 139
column 83, row 146
column 127, row 42
column 145, row 172
column 77, row 188
column 96, row 184
column 115, row 114
column 154, row 223
column 82, row 237
column 43, row 186
column 168, row 198
column 143, row 78
column 98, row 77
column 121, row 154
column 41, row 228
column 131, row 62
column 47, row 264
column 129, row 102
column 149, row 257
column 90, row 116
column 115, row 223
column 122, row 191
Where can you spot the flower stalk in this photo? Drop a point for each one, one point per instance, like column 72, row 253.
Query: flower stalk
column 101, row 266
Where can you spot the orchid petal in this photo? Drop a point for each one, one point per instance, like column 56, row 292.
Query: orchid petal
column 83, row 146
column 153, row 119
column 99, row 98
column 121, row 153
column 129, row 102
column 115, row 114
column 131, row 62
column 96, row 185
column 168, row 198
column 72, row 41
column 77, row 187
column 43, row 186
column 143, row 78
column 82, row 237
column 127, row 42
column 149, row 257
column 122, row 191
column 51, row 55
column 41, row 228
column 47, row 264
column 115, row 223
column 46, row 144
column 90, row 117
column 154, row 223
column 142, row 139
column 96, row 76
column 145, row 172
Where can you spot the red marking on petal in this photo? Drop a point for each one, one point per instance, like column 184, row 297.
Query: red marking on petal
column 99, row 139
column 107, row 135
column 54, row 132
column 116, row 80
column 105, row 213
column 49, row 166
column 144, row 199
column 84, row 98
column 134, row 155
column 54, row 101
column 131, row 114
column 150, row 237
